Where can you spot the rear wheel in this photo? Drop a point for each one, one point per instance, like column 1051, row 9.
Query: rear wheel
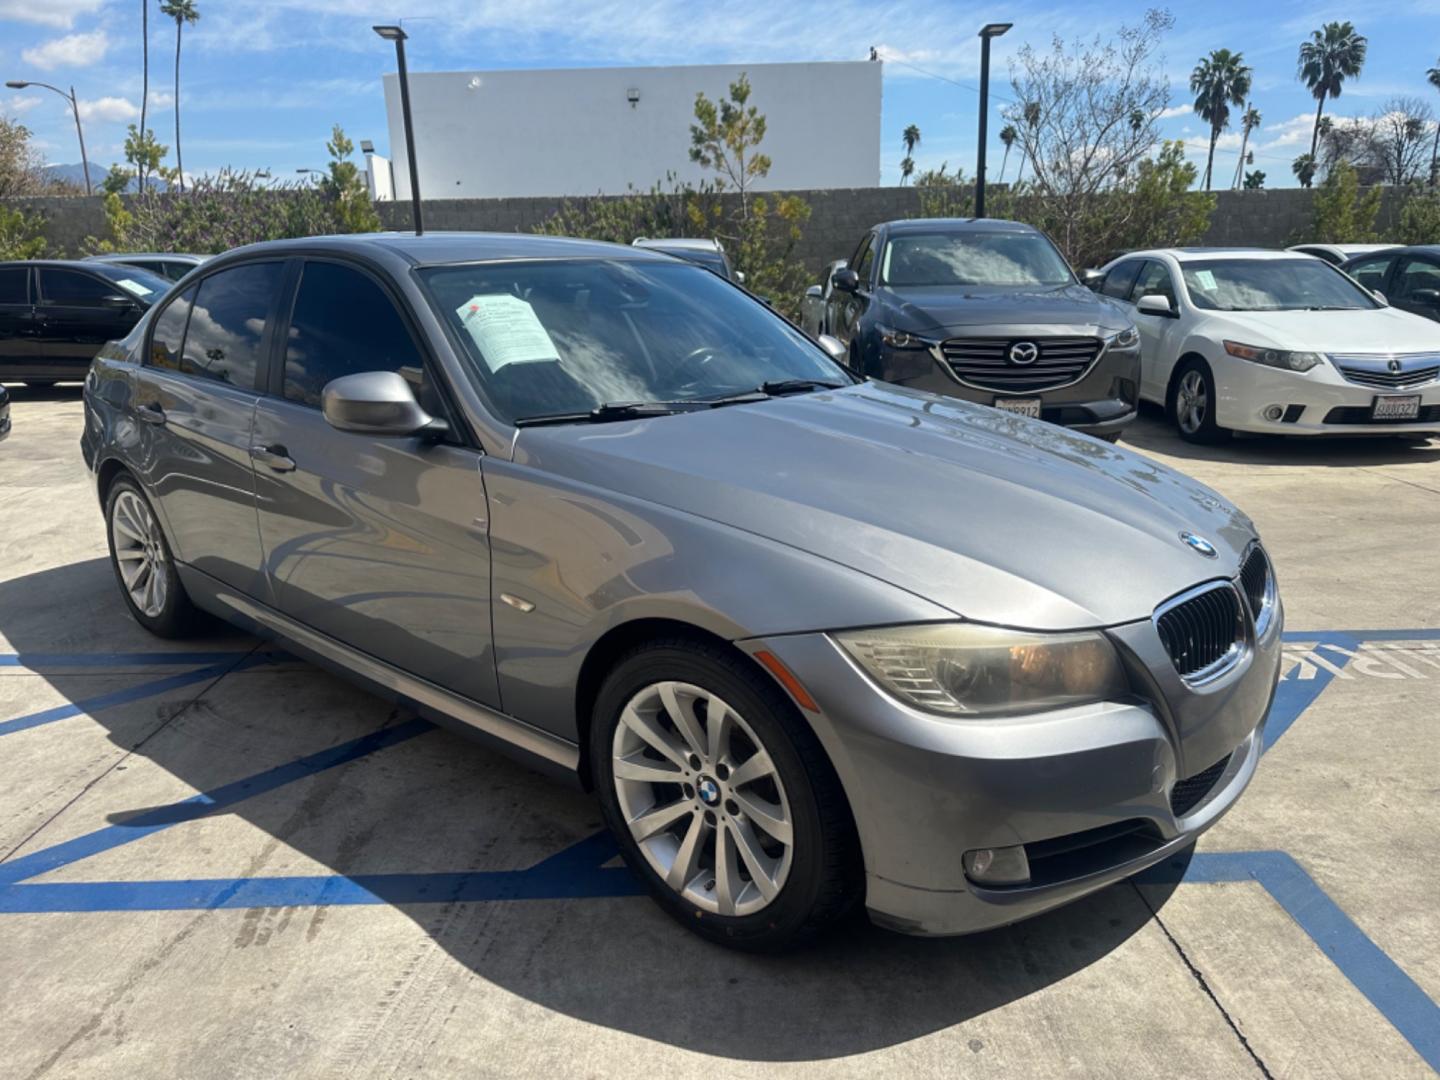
column 143, row 565
column 1192, row 404
column 721, row 798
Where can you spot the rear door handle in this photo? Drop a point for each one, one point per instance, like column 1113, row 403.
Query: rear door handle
column 151, row 414
column 276, row 456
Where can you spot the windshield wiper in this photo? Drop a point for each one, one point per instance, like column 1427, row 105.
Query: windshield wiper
column 777, row 387
column 610, row 410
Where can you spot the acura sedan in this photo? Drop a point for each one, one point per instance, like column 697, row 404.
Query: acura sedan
column 812, row 642
column 1274, row 342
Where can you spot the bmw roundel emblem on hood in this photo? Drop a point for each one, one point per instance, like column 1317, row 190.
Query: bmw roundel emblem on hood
column 1200, row 544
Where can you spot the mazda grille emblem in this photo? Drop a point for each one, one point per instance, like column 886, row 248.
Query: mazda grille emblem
column 1024, row 352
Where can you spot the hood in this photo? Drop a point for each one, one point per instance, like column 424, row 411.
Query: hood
column 947, row 308
column 1383, row 330
column 997, row 518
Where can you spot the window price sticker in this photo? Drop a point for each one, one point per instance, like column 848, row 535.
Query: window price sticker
column 506, row 330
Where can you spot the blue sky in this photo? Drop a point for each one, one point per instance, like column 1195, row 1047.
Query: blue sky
column 264, row 80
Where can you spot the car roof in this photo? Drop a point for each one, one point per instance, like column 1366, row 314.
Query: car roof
column 1199, row 254
column 126, row 256
column 913, row 225
column 69, row 264
column 449, row 247
column 687, row 243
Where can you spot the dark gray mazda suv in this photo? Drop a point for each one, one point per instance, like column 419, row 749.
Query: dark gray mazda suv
column 812, row 642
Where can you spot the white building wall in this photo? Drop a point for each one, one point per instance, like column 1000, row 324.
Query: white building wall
column 575, row 132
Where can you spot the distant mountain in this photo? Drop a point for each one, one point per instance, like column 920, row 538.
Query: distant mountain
column 75, row 174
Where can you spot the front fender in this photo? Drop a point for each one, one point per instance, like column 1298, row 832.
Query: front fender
column 589, row 560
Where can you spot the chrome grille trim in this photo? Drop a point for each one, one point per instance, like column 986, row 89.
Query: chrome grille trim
column 1203, row 631
column 1257, row 583
column 1373, row 369
column 980, row 362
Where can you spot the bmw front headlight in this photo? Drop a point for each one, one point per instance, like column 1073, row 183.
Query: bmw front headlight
column 965, row 670
column 1276, row 358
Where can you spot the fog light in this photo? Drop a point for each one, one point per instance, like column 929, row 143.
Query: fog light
column 1273, row 412
column 997, row 866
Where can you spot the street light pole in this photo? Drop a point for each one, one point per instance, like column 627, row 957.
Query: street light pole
column 397, row 35
column 21, row 84
column 988, row 31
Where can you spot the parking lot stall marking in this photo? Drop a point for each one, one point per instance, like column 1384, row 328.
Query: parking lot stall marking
column 579, row 871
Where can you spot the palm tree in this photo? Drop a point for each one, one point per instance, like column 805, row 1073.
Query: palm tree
column 907, row 167
column 1433, row 78
column 1031, row 114
column 1218, row 81
column 1137, row 121
column 144, row 74
column 911, row 138
column 1333, row 54
column 1248, row 123
column 182, row 11
column 1008, row 135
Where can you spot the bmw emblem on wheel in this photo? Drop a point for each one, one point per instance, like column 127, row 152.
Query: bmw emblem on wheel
column 1200, row 544
column 709, row 791
column 1024, row 352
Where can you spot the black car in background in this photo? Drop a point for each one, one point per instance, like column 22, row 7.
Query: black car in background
column 55, row 315
column 1408, row 277
column 988, row 311
column 4, row 412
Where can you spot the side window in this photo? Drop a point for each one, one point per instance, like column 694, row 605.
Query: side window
column 14, row 285
column 1154, row 280
column 1120, row 278
column 71, row 288
column 867, row 261
column 1371, row 272
column 168, row 337
column 227, row 323
column 1417, row 276
column 344, row 323
column 173, row 270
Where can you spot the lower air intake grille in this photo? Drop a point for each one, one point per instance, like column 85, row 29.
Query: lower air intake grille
column 1188, row 794
column 1201, row 630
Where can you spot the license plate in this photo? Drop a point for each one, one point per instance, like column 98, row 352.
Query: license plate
column 1396, row 408
column 1026, row 406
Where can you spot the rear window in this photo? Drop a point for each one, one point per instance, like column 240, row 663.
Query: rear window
column 14, row 285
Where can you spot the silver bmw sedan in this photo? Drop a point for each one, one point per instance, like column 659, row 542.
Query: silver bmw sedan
column 812, row 642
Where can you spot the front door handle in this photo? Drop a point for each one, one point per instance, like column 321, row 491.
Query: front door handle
column 151, row 414
column 275, row 456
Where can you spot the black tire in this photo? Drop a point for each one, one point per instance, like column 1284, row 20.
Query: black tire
column 1197, row 426
column 176, row 616
column 1112, row 437
column 825, row 879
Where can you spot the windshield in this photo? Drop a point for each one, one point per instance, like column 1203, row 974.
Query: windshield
column 973, row 258
column 1272, row 285
column 551, row 336
column 141, row 284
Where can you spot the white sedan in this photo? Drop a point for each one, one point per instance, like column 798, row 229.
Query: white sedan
column 1276, row 343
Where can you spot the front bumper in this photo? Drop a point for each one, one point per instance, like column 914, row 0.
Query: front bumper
column 1318, row 402
column 926, row 790
column 1101, row 402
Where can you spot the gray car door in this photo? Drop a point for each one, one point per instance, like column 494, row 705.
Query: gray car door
column 379, row 543
column 195, row 401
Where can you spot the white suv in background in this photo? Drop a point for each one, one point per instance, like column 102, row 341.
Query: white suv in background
column 1274, row 342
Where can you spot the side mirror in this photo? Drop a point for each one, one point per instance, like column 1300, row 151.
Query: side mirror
column 118, row 300
column 1092, row 279
column 845, row 279
column 1154, row 305
column 375, row 403
column 832, row 345
column 814, row 292
column 1380, row 298
column 740, row 277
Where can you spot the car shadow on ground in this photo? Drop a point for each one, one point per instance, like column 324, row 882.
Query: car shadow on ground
column 65, row 391
column 1153, row 432
column 443, row 803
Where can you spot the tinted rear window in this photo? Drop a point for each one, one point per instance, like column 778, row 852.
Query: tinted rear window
column 14, row 288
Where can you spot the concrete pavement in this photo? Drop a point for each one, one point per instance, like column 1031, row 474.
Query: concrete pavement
column 357, row 894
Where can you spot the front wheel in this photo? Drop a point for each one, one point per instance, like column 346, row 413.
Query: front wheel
column 143, row 565
column 721, row 799
column 1192, row 404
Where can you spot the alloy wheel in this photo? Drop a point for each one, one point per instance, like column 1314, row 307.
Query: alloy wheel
column 1192, row 400
column 139, row 553
column 702, row 798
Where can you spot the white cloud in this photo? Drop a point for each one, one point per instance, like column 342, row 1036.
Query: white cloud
column 17, row 105
column 57, row 13
column 108, row 108
column 1173, row 111
column 161, row 98
column 72, row 50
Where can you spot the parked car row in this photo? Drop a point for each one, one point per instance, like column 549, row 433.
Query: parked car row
column 1273, row 342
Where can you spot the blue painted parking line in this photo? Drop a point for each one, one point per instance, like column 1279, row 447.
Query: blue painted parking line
column 579, row 870
column 116, row 660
